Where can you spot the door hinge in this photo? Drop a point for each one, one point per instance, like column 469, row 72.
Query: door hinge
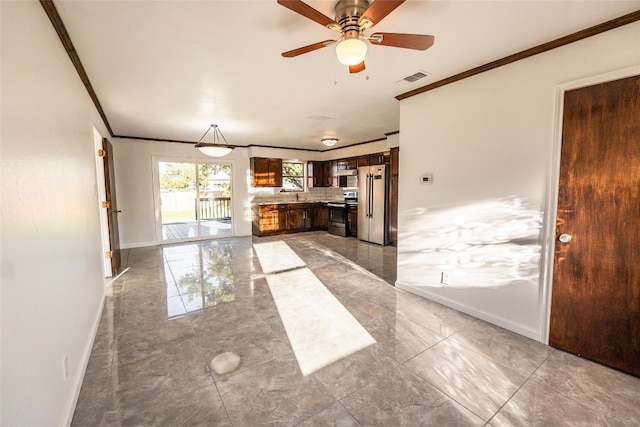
column 106, row 204
column 102, row 153
column 108, row 254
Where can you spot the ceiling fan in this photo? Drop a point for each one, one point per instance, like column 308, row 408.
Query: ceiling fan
column 353, row 17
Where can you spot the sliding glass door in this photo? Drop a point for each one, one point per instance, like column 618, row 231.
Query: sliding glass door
column 194, row 200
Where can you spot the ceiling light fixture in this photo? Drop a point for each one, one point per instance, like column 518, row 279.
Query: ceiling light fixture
column 215, row 149
column 329, row 142
column 351, row 51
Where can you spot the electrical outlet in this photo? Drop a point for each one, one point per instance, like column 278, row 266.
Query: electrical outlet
column 65, row 367
column 444, row 278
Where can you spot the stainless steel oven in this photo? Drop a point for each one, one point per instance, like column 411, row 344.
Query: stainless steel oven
column 337, row 218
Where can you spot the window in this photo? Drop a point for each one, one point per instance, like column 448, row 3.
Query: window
column 292, row 176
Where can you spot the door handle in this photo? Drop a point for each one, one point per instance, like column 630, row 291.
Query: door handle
column 565, row 238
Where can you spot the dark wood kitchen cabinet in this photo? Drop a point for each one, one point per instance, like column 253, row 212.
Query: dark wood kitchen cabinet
column 319, row 174
column 269, row 219
column 266, row 172
column 353, row 220
column 323, row 217
column 296, row 218
column 394, row 171
column 362, row 160
column 304, row 217
column 280, row 218
column 379, row 158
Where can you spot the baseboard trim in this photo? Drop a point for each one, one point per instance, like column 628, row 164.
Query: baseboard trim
column 483, row 315
column 138, row 245
column 77, row 381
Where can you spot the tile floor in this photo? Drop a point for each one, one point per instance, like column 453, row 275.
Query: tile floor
column 200, row 334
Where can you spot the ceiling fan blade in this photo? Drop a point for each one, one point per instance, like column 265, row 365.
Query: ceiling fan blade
column 356, row 68
column 377, row 11
column 310, row 13
column 306, row 49
column 407, row 41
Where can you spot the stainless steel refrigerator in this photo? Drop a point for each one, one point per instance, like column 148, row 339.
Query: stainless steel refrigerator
column 372, row 204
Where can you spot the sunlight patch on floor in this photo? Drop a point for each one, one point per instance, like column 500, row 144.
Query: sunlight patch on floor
column 320, row 329
column 277, row 256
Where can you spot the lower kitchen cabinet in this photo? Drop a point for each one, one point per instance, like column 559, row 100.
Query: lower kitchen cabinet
column 304, row 218
column 287, row 218
column 353, row 220
column 270, row 219
column 323, row 217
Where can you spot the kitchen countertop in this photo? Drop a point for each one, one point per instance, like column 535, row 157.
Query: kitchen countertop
column 293, row 202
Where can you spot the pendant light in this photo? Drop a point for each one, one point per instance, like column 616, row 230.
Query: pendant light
column 215, row 149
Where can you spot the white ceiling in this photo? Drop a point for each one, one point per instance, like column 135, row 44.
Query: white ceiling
column 169, row 69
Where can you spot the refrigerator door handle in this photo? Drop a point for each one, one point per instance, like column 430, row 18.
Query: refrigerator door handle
column 368, row 193
column 371, row 196
column 366, row 212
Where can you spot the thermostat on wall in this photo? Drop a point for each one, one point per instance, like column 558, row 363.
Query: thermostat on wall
column 426, row 179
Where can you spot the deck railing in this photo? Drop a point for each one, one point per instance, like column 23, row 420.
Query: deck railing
column 215, row 208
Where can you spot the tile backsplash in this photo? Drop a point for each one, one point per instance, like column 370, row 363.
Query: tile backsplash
column 266, row 195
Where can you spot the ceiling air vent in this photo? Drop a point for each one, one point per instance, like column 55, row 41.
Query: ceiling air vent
column 415, row 77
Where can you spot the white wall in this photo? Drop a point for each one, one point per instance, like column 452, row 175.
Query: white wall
column 488, row 141
column 133, row 161
column 359, row 150
column 52, row 277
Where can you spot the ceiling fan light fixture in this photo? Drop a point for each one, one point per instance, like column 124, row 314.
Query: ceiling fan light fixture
column 217, row 148
column 329, row 142
column 351, row 51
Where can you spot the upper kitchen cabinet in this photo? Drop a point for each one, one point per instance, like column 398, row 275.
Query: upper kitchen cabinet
column 379, row 158
column 352, row 163
column 266, row 172
column 362, row 160
column 319, row 174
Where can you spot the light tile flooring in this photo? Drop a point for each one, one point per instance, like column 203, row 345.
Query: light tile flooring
column 199, row 334
column 186, row 230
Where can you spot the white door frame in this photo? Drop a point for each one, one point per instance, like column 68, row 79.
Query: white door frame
column 551, row 210
column 156, row 192
column 101, row 194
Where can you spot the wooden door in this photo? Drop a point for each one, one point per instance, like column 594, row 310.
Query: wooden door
column 112, row 208
column 595, row 304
